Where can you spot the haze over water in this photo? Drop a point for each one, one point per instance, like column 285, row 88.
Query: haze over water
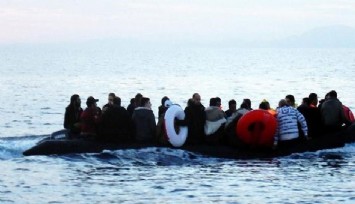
column 37, row 83
column 240, row 49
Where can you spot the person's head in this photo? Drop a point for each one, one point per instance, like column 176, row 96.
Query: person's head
column 132, row 101
column 333, row 94
column 111, row 96
column 196, row 98
column 117, row 101
column 282, row 103
column 75, row 100
column 145, row 102
column 213, row 102
column 247, row 103
column 91, row 102
column 190, row 102
column 290, row 100
column 313, row 99
column 232, row 105
column 165, row 98
column 306, row 101
column 244, row 106
column 264, row 105
column 137, row 99
column 219, row 101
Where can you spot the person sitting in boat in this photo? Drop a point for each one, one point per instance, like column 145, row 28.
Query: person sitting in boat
column 162, row 108
column 232, row 108
column 136, row 103
column 214, row 125
column 144, row 122
column 332, row 113
column 115, row 124
column 287, row 134
column 111, row 96
column 244, row 107
column 72, row 115
column 247, row 104
column 304, row 105
column 348, row 114
column 219, row 102
column 131, row 107
column 234, row 118
column 311, row 112
column 162, row 137
column 290, row 100
column 195, row 118
column 265, row 105
column 90, row 118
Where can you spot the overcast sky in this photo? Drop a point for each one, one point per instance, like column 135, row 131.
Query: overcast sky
column 179, row 20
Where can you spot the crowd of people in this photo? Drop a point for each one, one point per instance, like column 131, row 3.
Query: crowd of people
column 206, row 125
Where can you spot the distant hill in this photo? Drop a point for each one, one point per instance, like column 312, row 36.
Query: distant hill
column 322, row 37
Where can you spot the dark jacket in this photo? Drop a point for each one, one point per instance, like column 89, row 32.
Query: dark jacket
column 72, row 119
column 115, row 125
column 229, row 113
column 162, row 137
column 161, row 110
column 195, row 118
column 313, row 118
column 144, row 125
column 333, row 116
column 130, row 109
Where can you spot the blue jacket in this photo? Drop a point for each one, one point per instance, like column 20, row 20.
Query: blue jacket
column 287, row 118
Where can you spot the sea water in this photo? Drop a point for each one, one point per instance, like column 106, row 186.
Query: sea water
column 36, row 82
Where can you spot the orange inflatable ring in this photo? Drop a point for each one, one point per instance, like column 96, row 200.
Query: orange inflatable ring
column 257, row 128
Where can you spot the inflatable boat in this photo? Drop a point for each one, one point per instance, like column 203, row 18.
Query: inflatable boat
column 61, row 145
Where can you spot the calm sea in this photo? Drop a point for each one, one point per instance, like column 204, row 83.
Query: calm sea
column 38, row 80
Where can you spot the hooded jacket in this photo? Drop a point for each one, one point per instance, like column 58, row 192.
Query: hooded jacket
column 287, row 129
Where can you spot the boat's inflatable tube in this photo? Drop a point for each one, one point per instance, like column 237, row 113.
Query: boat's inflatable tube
column 60, row 134
column 175, row 139
column 257, row 128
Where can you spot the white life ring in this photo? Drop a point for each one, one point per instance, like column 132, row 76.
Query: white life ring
column 175, row 111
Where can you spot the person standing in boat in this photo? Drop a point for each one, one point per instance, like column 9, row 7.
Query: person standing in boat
column 287, row 133
column 144, row 122
column 111, row 96
column 90, row 118
column 195, row 119
column 332, row 113
column 115, row 124
column 72, row 115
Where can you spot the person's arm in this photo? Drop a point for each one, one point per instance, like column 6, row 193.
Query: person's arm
column 303, row 123
column 66, row 123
